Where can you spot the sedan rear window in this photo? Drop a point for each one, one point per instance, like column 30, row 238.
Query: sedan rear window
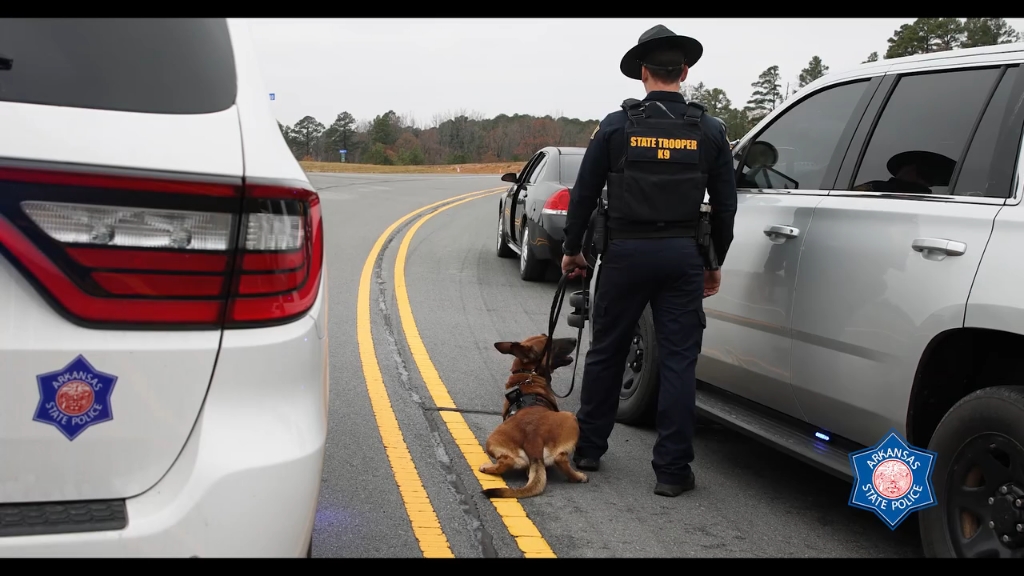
column 569, row 168
column 153, row 65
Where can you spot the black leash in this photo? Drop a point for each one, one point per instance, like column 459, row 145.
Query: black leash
column 556, row 311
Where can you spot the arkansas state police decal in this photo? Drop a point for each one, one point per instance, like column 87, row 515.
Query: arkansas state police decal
column 74, row 398
column 892, row 479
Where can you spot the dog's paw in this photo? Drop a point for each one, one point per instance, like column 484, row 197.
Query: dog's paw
column 583, row 479
column 484, row 468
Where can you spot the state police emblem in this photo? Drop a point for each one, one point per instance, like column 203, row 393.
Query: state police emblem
column 892, row 479
column 74, row 398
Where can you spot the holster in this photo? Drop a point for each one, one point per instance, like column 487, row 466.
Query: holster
column 704, row 242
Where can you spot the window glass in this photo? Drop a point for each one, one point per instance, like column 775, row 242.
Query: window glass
column 794, row 152
column 526, row 167
column 152, row 65
column 538, row 169
column 570, row 169
column 923, row 131
column 974, row 176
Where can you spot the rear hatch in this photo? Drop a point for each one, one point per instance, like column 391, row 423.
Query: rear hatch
column 121, row 201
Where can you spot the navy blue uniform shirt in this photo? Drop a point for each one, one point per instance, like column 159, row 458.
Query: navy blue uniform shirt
column 608, row 145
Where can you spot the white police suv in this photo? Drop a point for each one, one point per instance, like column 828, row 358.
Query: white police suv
column 163, row 336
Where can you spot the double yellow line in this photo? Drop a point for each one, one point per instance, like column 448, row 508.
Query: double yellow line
column 426, row 528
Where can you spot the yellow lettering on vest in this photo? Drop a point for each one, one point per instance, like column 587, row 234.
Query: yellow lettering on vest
column 662, row 154
column 632, row 142
column 689, row 144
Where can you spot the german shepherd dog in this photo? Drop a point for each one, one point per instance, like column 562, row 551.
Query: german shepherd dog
column 536, row 434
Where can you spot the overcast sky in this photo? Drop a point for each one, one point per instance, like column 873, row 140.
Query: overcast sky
column 562, row 67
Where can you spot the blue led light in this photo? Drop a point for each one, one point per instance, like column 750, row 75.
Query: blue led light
column 822, row 436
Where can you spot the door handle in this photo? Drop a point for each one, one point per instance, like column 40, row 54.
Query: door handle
column 776, row 230
column 940, row 245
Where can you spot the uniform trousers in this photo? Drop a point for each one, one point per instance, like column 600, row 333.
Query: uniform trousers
column 668, row 273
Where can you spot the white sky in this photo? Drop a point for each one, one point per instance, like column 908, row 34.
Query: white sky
column 566, row 67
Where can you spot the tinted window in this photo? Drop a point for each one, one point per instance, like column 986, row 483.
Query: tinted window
column 159, row 65
column 922, row 132
column 535, row 174
column 794, row 152
column 526, row 167
column 974, row 176
column 569, row 168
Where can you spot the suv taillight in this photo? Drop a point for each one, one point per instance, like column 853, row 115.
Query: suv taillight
column 132, row 252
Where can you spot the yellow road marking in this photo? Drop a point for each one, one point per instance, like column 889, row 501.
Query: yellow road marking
column 425, row 526
column 528, row 538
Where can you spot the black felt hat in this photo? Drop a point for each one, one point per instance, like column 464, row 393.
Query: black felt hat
column 935, row 168
column 659, row 38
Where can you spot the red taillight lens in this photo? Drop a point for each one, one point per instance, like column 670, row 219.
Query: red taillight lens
column 142, row 252
column 280, row 257
column 557, row 203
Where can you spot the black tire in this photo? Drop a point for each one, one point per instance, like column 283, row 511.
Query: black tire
column 504, row 251
column 988, row 421
column 638, row 396
column 531, row 268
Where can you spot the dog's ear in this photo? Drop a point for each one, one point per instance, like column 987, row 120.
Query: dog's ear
column 563, row 346
column 524, row 353
column 505, row 347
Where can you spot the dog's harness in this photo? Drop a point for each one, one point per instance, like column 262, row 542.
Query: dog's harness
column 517, row 400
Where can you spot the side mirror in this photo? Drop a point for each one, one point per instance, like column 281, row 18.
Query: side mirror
column 761, row 155
column 510, row 177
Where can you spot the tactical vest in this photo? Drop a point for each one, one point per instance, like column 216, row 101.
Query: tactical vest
column 659, row 183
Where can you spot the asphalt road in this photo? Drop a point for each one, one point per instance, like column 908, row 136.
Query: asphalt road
column 750, row 501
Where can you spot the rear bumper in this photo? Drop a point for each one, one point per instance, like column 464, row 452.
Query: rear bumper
column 246, row 483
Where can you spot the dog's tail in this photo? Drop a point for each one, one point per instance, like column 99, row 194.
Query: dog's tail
column 534, row 485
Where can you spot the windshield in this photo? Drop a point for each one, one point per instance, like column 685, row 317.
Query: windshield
column 569, row 168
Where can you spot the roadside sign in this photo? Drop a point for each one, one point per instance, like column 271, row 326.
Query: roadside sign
column 271, row 95
column 343, row 154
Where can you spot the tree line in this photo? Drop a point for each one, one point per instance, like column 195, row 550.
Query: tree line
column 922, row 36
column 467, row 137
column 452, row 138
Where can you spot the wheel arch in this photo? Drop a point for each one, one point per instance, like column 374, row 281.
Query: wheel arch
column 955, row 363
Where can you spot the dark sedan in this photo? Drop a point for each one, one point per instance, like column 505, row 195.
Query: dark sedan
column 531, row 213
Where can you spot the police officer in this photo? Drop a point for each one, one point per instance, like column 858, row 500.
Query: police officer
column 657, row 156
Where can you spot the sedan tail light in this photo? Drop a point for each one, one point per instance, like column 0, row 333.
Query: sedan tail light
column 111, row 250
column 557, row 203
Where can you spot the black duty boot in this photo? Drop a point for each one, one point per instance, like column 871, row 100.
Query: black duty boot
column 588, row 464
column 673, row 490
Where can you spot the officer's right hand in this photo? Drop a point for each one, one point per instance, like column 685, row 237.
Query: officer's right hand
column 712, row 281
column 574, row 266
